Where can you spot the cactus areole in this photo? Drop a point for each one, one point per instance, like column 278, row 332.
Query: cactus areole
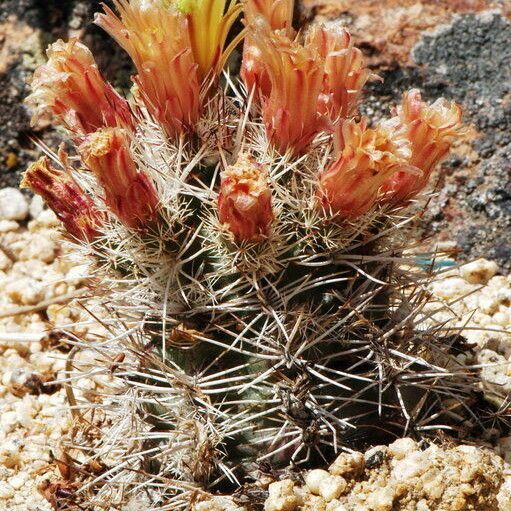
column 248, row 235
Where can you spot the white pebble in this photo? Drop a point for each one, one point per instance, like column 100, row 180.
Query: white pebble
column 332, row 487
column 411, row 466
column 281, row 496
column 402, row 447
column 335, row 505
column 451, row 288
column 6, row 491
column 314, row 479
column 40, row 247
column 488, row 304
column 381, row 500
column 5, row 262
column 8, row 420
column 18, row 480
column 8, row 226
column 479, row 272
column 13, row 205
column 36, row 206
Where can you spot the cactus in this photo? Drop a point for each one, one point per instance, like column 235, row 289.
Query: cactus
column 249, row 235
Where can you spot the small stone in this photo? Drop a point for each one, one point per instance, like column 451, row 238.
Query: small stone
column 348, row 465
column 422, row 505
column 24, row 291
column 13, row 205
column 402, row 447
column 313, row 503
column 5, row 262
column 451, row 288
column 281, row 496
column 36, row 206
column 18, row 480
column 381, row 500
column 8, row 420
column 411, row 466
column 335, row 505
column 479, row 272
column 47, row 218
column 8, row 226
column 41, row 248
column 10, row 454
column 314, row 479
column 6, row 491
column 488, row 304
column 332, row 487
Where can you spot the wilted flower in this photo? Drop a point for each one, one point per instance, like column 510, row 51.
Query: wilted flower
column 290, row 112
column 350, row 186
column 73, row 207
column 209, row 23
column 129, row 193
column 244, row 201
column 431, row 130
column 71, row 87
column 156, row 38
column 277, row 14
column 345, row 71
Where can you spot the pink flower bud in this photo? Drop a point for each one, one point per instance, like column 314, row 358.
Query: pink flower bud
column 71, row 87
column 244, row 201
column 277, row 14
column 73, row 207
column 129, row 193
column 156, row 38
column 345, row 71
column 290, row 112
column 253, row 71
column 350, row 186
column 431, row 130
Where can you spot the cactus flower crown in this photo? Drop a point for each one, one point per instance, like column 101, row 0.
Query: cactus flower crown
column 262, row 313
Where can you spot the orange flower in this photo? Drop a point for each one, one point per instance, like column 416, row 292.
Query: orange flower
column 290, row 112
column 71, row 87
column 345, row 72
column 244, row 201
column 156, row 38
column 350, row 186
column 209, row 23
column 431, row 130
column 73, row 207
column 128, row 193
column 277, row 14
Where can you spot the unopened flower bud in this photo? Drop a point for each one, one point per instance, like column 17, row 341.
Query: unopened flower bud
column 71, row 87
column 72, row 206
column 129, row 193
column 431, row 131
column 277, row 15
column 244, row 201
column 290, row 112
column 350, row 186
column 345, row 71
